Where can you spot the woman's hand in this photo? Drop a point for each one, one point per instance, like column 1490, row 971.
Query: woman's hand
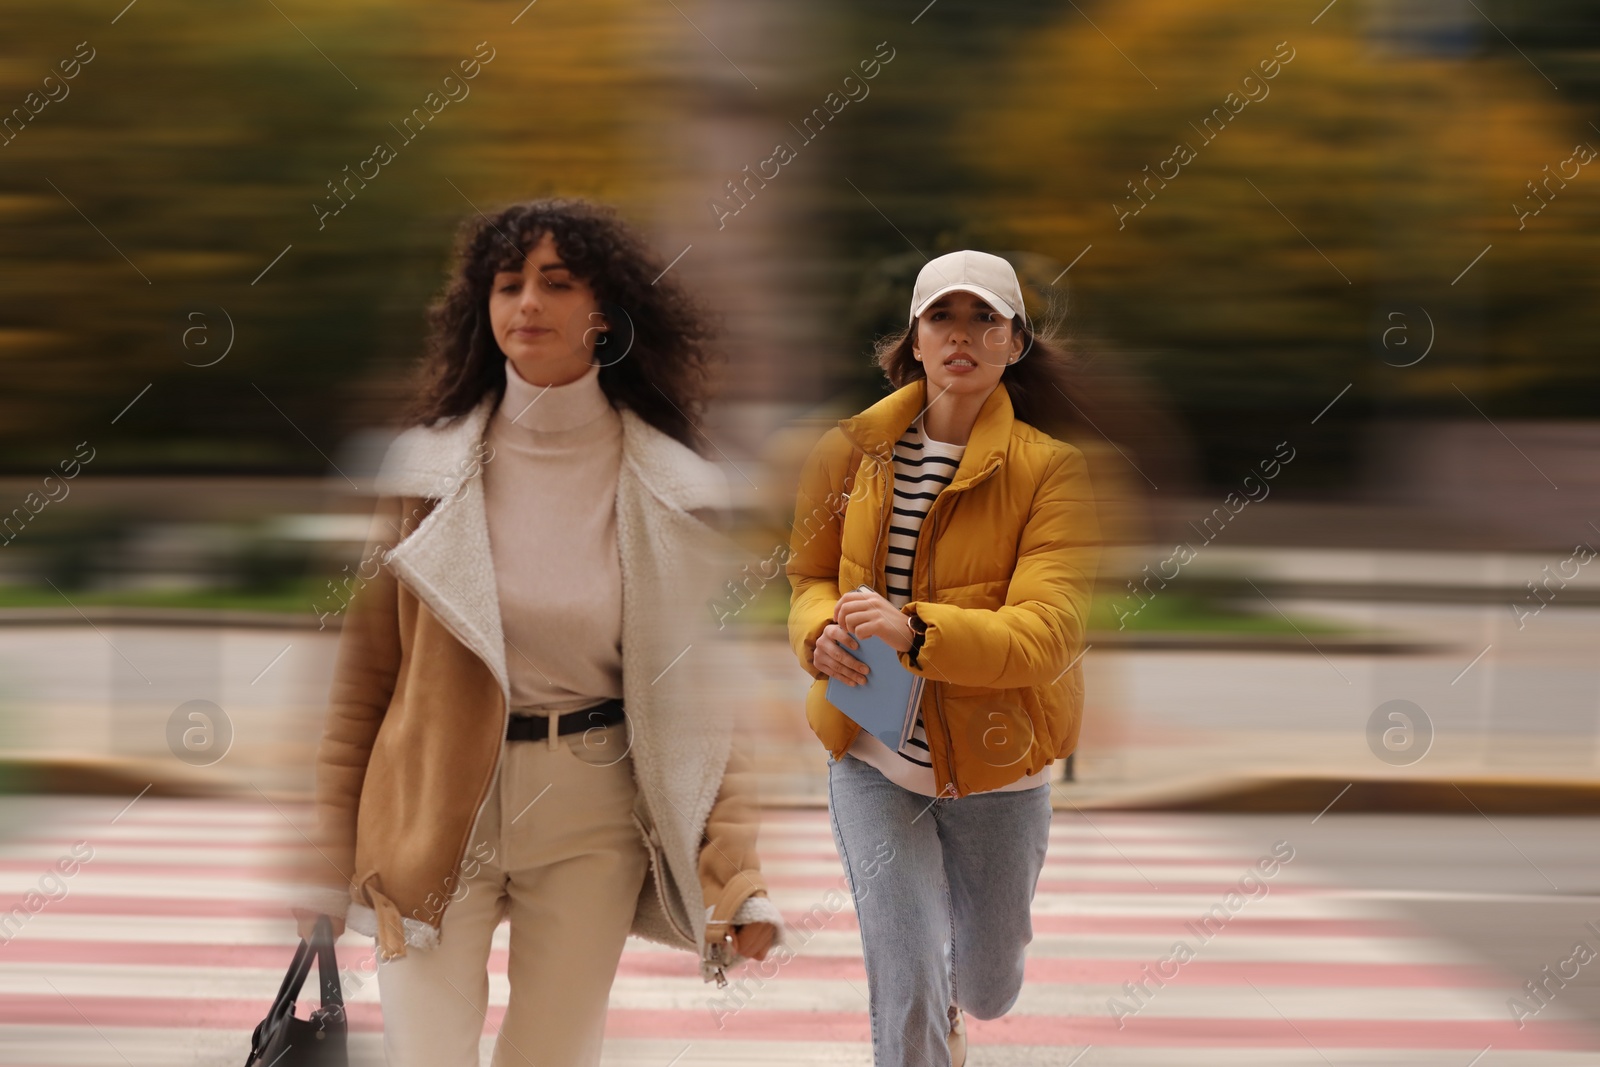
column 832, row 659
column 754, row 939
column 864, row 613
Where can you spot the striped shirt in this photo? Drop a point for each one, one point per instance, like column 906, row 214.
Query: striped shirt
column 922, row 468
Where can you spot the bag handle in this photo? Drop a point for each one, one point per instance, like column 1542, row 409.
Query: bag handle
column 328, row 968
column 321, row 947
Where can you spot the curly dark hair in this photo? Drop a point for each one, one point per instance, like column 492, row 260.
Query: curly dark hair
column 663, row 376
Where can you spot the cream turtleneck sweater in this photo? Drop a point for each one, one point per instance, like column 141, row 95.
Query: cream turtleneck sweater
column 550, row 488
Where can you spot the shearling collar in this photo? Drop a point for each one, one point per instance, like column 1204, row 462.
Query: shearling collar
column 447, row 558
column 434, row 461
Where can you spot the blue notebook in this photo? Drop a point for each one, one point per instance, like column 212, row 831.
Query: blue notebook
column 886, row 704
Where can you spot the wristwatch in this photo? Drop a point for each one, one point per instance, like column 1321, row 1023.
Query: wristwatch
column 919, row 630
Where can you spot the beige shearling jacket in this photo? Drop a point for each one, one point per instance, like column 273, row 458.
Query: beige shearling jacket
column 420, row 699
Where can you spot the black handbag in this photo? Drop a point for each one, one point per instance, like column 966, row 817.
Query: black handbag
column 281, row 1039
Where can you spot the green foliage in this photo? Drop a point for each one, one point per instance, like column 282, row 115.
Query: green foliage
column 189, row 152
column 1254, row 286
column 188, row 155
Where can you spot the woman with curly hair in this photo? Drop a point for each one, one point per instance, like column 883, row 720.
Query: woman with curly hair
column 528, row 719
column 947, row 522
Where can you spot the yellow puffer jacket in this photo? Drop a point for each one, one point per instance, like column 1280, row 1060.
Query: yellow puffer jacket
column 1003, row 574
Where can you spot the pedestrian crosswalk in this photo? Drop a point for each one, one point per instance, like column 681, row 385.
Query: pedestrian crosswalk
column 165, row 945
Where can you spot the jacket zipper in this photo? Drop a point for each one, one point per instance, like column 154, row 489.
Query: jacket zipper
column 712, row 957
column 938, row 687
column 657, row 856
column 505, row 717
column 505, row 725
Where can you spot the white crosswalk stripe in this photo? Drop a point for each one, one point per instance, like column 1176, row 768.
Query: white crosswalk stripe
column 167, row 945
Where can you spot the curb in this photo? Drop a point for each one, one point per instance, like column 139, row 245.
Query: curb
column 110, row 776
column 1289, row 794
column 1358, row 644
column 126, row 616
column 1314, row 794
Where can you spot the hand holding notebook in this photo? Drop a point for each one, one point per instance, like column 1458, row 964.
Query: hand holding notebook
column 886, row 704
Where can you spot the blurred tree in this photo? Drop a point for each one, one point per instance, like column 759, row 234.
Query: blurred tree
column 1253, row 284
column 188, row 155
column 1253, row 273
column 189, row 152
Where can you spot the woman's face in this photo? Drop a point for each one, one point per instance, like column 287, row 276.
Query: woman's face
column 964, row 344
column 545, row 319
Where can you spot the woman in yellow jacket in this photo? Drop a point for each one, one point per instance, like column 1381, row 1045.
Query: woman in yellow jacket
column 944, row 522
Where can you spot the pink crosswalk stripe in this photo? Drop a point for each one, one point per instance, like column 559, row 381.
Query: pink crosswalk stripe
column 172, row 935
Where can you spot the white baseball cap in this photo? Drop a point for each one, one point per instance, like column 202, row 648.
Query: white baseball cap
column 987, row 276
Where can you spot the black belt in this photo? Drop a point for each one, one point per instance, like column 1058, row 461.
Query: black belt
column 537, row 727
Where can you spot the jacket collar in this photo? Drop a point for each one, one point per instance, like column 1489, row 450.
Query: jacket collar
column 876, row 429
column 446, row 559
column 436, row 461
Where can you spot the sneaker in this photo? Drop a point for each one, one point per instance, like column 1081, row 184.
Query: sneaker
column 958, row 1040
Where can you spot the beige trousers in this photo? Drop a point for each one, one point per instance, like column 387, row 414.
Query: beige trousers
column 562, row 859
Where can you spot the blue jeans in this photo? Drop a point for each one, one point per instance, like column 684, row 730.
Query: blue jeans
column 943, row 893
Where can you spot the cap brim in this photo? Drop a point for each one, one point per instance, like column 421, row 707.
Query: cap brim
column 989, row 296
